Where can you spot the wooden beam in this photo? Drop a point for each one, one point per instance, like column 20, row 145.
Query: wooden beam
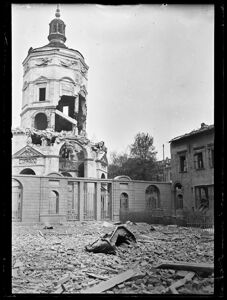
column 181, row 282
column 187, row 266
column 110, row 283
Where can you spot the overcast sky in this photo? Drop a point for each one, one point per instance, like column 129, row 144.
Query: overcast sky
column 151, row 67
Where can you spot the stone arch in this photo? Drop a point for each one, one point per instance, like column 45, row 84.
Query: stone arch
column 124, row 201
column 178, row 196
column 17, row 200
column 40, row 121
column 152, row 197
column 68, row 79
column 71, row 158
column 53, row 202
column 54, row 174
column 123, row 177
column 27, row 171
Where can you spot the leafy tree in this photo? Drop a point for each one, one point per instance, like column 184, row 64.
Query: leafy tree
column 143, row 147
column 140, row 164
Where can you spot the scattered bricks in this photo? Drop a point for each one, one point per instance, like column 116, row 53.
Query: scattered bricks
column 144, row 263
column 128, row 283
column 139, row 281
column 121, row 286
column 150, row 287
column 63, row 279
column 181, row 274
column 77, row 286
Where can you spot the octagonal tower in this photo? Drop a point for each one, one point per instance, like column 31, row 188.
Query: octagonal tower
column 55, row 85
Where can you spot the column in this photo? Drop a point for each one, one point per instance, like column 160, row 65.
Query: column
column 81, row 201
column 98, row 201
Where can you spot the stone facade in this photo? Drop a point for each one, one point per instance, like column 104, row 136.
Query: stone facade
column 192, row 170
column 57, row 199
column 52, row 137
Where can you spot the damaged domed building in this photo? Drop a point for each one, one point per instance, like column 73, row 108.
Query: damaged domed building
column 59, row 175
column 52, row 139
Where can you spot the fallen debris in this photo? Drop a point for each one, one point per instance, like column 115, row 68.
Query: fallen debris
column 181, row 282
column 195, row 267
column 48, row 227
column 108, row 284
column 97, row 276
column 108, row 243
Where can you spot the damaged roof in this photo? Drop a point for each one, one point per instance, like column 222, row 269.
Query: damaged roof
column 203, row 128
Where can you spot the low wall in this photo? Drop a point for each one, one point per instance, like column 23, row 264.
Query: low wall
column 148, row 217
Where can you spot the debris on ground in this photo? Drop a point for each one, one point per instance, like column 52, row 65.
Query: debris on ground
column 108, row 243
column 202, row 268
column 54, row 261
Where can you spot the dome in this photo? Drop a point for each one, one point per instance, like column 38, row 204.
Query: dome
column 57, row 31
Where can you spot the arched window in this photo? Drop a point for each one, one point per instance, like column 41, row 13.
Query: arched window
column 40, row 121
column 53, row 202
column 27, row 171
column 178, row 193
column 152, row 196
column 16, row 200
column 124, row 201
column 103, row 176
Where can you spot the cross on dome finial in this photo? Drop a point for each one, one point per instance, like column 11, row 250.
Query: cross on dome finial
column 57, row 14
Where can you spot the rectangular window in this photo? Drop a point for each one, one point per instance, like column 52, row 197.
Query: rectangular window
column 42, row 94
column 183, row 164
column 198, row 161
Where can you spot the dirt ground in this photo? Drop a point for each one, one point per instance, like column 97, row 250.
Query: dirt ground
column 52, row 261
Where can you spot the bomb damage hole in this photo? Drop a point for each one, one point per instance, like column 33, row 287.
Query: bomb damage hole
column 65, row 105
column 62, row 124
column 38, row 139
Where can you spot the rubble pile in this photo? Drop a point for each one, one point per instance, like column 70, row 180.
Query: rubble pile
column 53, row 259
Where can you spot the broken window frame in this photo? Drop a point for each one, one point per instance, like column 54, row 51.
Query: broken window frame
column 198, row 160
column 202, row 199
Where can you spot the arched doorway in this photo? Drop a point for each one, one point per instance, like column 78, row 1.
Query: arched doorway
column 16, row 200
column 27, row 171
column 124, row 201
column 152, row 197
column 40, row 121
column 53, row 202
column 178, row 196
column 71, row 159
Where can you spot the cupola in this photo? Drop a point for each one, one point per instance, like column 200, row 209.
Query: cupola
column 57, row 31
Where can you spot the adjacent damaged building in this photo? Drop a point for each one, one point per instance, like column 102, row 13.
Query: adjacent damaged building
column 192, row 171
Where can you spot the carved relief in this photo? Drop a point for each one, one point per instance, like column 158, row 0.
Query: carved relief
column 68, row 63
column 44, row 61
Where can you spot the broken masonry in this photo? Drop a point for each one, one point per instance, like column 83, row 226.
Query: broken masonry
column 110, row 241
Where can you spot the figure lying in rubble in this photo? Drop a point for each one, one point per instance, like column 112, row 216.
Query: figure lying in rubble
column 108, row 243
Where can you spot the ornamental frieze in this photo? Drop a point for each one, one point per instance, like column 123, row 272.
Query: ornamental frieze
column 27, row 161
column 43, row 61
